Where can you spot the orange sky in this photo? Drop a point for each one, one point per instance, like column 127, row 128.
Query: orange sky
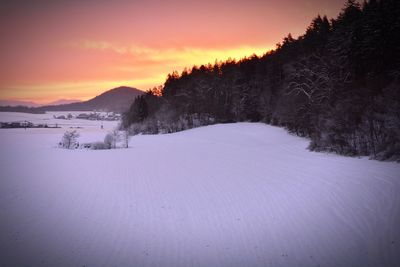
column 53, row 49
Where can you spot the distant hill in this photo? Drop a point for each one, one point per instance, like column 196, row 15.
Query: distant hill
column 117, row 100
column 14, row 103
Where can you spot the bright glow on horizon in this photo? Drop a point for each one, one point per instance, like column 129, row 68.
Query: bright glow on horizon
column 85, row 90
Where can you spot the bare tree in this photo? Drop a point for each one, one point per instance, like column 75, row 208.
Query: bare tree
column 313, row 76
column 125, row 138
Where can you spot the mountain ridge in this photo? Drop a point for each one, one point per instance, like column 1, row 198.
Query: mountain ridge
column 117, row 99
column 15, row 103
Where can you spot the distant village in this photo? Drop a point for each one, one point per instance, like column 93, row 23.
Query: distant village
column 94, row 116
column 26, row 124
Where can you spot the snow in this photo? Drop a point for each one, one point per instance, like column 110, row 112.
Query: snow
column 244, row 194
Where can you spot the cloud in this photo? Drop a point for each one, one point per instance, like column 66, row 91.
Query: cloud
column 184, row 55
column 145, row 62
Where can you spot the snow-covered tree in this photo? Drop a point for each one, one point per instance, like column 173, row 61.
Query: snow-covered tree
column 111, row 139
column 69, row 139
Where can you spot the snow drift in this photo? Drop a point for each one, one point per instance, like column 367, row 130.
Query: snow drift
column 224, row 195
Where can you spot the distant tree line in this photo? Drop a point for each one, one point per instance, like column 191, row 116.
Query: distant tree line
column 23, row 109
column 338, row 84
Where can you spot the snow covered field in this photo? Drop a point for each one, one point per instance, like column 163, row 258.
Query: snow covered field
column 48, row 118
column 244, row 194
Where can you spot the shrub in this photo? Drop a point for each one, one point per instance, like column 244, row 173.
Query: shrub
column 99, row 146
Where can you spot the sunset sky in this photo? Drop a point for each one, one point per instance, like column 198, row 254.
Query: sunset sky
column 52, row 49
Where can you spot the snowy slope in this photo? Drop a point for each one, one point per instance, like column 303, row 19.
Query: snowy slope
column 224, row 195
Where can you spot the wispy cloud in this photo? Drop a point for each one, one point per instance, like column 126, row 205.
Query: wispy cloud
column 186, row 55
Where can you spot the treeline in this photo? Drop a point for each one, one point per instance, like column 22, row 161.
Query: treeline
column 338, row 84
column 23, row 109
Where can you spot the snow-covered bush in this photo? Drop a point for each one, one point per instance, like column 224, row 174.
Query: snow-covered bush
column 109, row 141
column 99, row 146
column 112, row 138
column 117, row 138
